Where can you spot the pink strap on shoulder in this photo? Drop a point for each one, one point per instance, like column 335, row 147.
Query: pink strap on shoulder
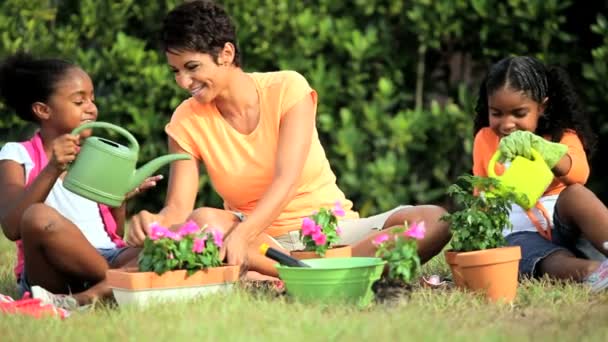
column 110, row 224
column 34, row 147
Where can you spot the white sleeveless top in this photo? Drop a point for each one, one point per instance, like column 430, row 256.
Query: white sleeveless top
column 83, row 212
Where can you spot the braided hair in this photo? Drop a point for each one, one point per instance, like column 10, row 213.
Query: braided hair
column 529, row 75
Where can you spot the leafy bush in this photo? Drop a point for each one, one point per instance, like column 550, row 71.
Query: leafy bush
column 396, row 80
column 483, row 214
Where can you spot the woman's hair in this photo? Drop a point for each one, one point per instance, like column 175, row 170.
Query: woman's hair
column 25, row 80
column 200, row 26
column 529, row 75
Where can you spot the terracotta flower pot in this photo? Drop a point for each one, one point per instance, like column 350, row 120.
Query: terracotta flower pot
column 340, row 251
column 133, row 287
column 491, row 271
column 450, row 259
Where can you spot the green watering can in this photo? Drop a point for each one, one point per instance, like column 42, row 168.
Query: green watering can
column 104, row 170
column 529, row 178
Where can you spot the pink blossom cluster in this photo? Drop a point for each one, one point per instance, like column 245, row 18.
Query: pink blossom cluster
column 416, row 231
column 312, row 229
column 187, row 229
column 199, row 243
column 315, row 231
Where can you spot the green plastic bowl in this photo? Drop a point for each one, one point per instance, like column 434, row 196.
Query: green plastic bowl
column 333, row 279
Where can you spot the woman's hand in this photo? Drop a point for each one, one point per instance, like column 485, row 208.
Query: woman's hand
column 65, row 148
column 148, row 183
column 139, row 227
column 235, row 249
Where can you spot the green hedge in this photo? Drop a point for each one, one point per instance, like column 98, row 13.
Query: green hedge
column 396, row 80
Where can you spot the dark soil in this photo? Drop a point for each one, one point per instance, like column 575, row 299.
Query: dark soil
column 391, row 291
column 263, row 288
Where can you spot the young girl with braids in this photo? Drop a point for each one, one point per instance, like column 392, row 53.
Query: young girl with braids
column 526, row 105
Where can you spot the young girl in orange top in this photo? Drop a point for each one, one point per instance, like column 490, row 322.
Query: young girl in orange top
column 255, row 135
column 523, row 105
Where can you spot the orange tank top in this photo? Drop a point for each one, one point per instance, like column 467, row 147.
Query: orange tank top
column 241, row 167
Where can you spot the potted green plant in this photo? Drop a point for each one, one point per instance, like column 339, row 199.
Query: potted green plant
column 399, row 249
column 177, row 263
column 479, row 259
column 320, row 233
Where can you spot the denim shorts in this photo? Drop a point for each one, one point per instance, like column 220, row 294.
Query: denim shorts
column 110, row 254
column 534, row 247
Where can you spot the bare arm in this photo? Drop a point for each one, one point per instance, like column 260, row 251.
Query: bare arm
column 295, row 136
column 119, row 214
column 563, row 166
column 17, row 198
column 183, row 187
column 573, row 167
column 179, row 203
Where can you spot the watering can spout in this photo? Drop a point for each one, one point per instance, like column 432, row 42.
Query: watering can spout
column 152, row 166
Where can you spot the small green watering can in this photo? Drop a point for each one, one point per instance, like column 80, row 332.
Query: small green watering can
column 104, row 170
column 528, row 178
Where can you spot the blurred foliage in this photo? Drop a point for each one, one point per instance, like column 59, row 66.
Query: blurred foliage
column 397, row 80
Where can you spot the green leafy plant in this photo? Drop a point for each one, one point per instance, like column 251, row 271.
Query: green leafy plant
column 484, row 214
column 320, row 230
column 398, row 248
column 190, row 248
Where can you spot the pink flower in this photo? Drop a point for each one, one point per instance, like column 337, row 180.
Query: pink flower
column 157, row 231
column 338, row 210
column 317, row 229
column 170, row 256
column 218, row 237
column 308, row 226
column 319, row 238
column 173, row 235
column 416, row 231
column 378, row 240
column 199, row 244
column 188, row 228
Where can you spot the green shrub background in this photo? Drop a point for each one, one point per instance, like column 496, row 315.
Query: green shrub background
column 397, row 80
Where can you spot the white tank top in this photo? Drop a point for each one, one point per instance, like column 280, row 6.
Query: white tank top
column 83, row 212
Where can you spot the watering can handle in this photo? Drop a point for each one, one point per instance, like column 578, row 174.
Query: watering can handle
column 497, row 154
column 134, row 145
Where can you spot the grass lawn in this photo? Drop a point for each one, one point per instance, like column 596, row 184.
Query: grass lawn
column 542, row 312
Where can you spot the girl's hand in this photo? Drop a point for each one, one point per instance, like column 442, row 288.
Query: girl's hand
column 64, row 151
column 516, row 144
column 521, row 143
column 148, row 183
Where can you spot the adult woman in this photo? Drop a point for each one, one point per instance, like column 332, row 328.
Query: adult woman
column 256, row 135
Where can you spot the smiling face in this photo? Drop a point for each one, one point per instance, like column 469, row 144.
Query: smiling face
column 511, row 110
column 71, row 104
column 198, row 74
